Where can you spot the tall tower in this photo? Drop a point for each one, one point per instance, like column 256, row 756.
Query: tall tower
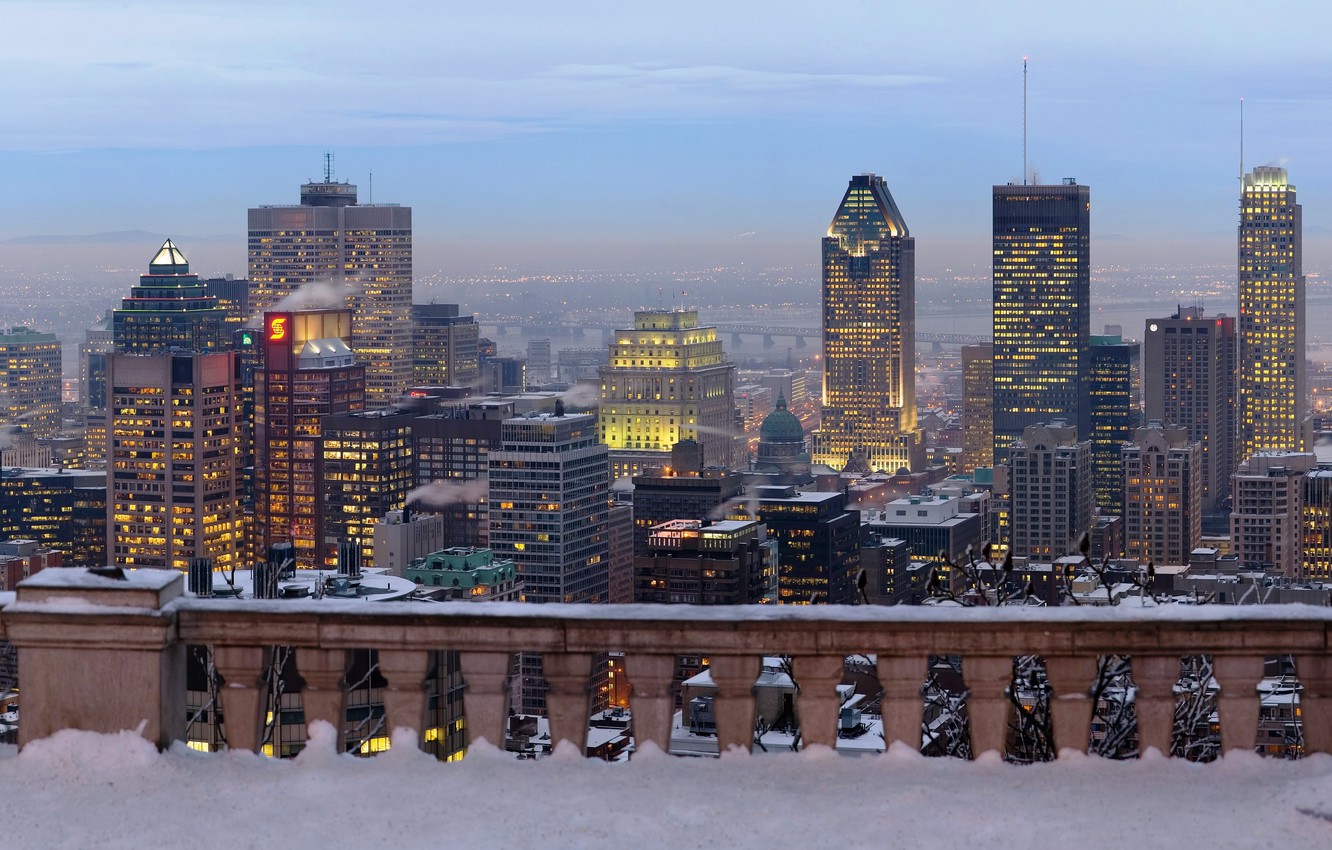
column 1188, row 380
column 169, row 308
column 977, row 406
column 363, row 252
column 30, row 381
column 869, row 335
column 1272, row 391
column 668, row 380
column 1042, row 307
column 1112, row 394
column 308, row 374
column 172, row 498
column 1163, row 494
column 1051, row 490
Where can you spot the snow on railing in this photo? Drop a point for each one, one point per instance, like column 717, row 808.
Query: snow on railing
column 104, row 654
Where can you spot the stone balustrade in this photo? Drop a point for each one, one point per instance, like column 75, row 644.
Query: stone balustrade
column 103, row 654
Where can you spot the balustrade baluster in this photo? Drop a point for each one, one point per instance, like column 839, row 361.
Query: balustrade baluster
column 568, row 700
column 486, row 694
column 1071, row 677
column 901, row 678
column 1155, row 676
column 405, row 696
column 242, row 693
column 651, row 697
column 733, row 706
column 1315, row 675
column 1239, row 702
column 817, row 704
column 323, row 697
column 988, row 708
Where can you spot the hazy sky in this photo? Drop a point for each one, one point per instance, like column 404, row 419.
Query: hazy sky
column 605, row 135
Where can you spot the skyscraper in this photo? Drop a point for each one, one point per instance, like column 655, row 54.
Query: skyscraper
column 868, row 417
column 668, row 380
column 1163, row 494
column 977, row 406
column 171, row 460
column 363, row 252
column 1189, row 380
column 549, row 504
column 1042, row 307
column 30, row 381
column 1051, row 491
column 169, row 308
column 443, row 347
column 308, row 373
column 366, row 471
column 1267, row 525
column 1113, row 390
column 1272, row 390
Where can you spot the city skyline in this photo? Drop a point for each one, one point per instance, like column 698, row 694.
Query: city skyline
column 724, row 129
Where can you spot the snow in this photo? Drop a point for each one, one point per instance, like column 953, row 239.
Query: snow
column 79, row 789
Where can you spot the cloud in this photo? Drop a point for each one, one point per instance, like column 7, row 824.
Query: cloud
column 727, row 77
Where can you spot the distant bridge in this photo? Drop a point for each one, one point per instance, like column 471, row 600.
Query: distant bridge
column 768, row 332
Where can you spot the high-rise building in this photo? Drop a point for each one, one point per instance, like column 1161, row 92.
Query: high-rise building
column 30, row 381
column 1272, row 383
column 309, row 372
column 668, row 380
column 701, row 562
column 171, row 460
column 1162, row 495
column 366, row 459
column 1318, row 523
column 1050, row 489
column 362, row 253
column 169, row 309
column 451, row 449
column 549, row 503
column 61, row 509
column 1042, row 308
column 682, row 489
column 868, row 417
column 1189, row 380
column 443, row 346
column 1112, row 397
column 977, row 406
column 818, row 542
column 1267, row 519
column 98, row 342
column 233, row 296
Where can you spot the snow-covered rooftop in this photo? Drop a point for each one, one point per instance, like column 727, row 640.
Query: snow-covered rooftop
column 79, row 789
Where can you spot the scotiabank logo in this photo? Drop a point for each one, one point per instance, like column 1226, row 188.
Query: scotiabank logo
column 277, row 328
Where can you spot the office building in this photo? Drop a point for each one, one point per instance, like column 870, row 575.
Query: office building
column 451, row 449
column 30, row 382
column 538, row 361
column 1318, row 523
column 169, row 309
column 98, row 342
column 367, row 471
column 1189, row 380
column 549, row 498
column 20, row 559
column 1050, row 491
column 929, row 525
column 1042, row 308
column 444, row 350
column 1267, row 518
column 868, row 417
column 464, row 572
column 818, row 542
column 1272, row 388
column 1113, row 390
column 233, row 296
column 705, row 562
column 362, row 254
column 977, row 406
column 667, row 380
column 60, row 509
column 620, row 578
column 406, row 535
column 171, row 460
column 309, row 372
column 682, row 489
column 1162, row 494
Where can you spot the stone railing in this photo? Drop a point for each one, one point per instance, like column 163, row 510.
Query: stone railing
column 103, row 654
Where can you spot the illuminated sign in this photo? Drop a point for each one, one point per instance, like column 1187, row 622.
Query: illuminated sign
column 247, row 339
column 277, row 328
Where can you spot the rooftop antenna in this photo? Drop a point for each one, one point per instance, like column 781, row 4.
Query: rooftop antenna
column 1024, row 120
column 1241, row 174
column 370, row 194
column 328, row 166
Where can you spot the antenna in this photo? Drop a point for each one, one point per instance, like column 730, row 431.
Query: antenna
column 370, row 199
column 328, row 166
column 1024, row 120
column 1241, row 174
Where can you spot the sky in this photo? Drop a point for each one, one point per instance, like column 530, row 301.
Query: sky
column 612, row 135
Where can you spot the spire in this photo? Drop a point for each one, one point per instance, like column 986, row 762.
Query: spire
column 781, row 400
column 169, row 260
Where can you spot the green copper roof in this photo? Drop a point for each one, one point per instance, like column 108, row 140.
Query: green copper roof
column 781, row 426
column 169, row 260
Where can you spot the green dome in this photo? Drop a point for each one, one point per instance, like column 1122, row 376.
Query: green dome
column 781, row 426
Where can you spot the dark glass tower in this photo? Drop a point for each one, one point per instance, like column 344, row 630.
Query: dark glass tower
column 1113, row 388
column 1042, row 307
column 169, row 308
column 868, row 418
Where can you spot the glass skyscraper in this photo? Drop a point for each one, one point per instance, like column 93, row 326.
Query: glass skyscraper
column 1272, row 391
column 1042, row 308
column 868, row 418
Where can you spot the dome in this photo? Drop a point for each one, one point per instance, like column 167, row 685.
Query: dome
column 781, row 426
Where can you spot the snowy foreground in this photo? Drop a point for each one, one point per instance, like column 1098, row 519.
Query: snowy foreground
column 79, row 789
